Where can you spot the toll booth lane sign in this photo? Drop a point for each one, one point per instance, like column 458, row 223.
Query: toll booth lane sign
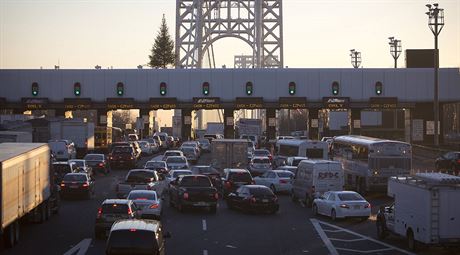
column 383, row 102
column 165, row 103
column 72, row 104
column 249, row 103
column 336, row 102
column 30, row 103
column 292, row 102
column 120, row 103
column 206, row 103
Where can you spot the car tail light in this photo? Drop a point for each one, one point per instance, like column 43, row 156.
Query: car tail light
column 85, row 185
column 130, row 211
column 270, row 157
column 458, row 161
column 99, row 212
column 253, row 199
column 154, row 206
column 216, row 196
column 185, row 195
column 141, row 198
column 132, row 230
column 367, row 205
column 344, row 206
column 101, row 164
column 283, row 181
column 228, row 185
column 62, row 184
column 131, row 157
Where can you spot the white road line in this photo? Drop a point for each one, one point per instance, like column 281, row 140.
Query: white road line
column 81, row 247
column 332, row 231
column 204, row 225
column 365, row 252
column 365, row 237
column 327, row 242
column 205, row 252
column 347, row 240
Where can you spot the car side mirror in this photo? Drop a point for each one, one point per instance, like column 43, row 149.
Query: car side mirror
column 167, row 235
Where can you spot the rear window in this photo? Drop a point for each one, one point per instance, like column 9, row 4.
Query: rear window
column 261, row 192
column 132, row 241
column 195, row 181
column 79, row 163
column 240, row 177
column 261, row 153
column 177, row 173
column 115, row 209
column 286, row 175
column 142, row 196
column 74, row 177
column 155, row 164
column 62, row 169
column 172, row 153
column 175, row 160
column 261, row 161
column 350, row 197
column 188, row 150
column 314, row 153
column 141, row 177
column 204, row 170
column 122, row 150
column 94, row 157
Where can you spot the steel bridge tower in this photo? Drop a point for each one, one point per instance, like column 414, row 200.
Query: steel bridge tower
column 199, row 23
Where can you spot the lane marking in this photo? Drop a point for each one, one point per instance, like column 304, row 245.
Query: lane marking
column 205, row 227
column 362, row 236
column 326, row 241
column 365, row 252
column 81, row 247
column 205, row 252
column 230, row 246
column 347, row 240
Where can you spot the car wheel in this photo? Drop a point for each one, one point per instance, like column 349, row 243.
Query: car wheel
column 272, row 187
column 411, row 243
column 333, row 215
column 315, row 209
column 381, row 233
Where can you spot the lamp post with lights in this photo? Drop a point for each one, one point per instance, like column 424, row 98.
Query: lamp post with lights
column 355, row 58
column 395, row 49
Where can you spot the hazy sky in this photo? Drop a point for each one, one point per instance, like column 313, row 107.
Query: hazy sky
column 120, row 33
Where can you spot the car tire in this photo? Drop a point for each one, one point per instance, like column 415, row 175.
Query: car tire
column 315, row 209
column 381, row 233
column 272, row 187
column 333, row 215
column 411, row 242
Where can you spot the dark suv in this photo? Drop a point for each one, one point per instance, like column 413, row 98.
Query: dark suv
column 136, row 237
column 234, row 178
column 110, row 211
column 123, row 156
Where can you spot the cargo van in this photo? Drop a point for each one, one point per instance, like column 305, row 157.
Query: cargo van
column 62, row 150
column 314, row 177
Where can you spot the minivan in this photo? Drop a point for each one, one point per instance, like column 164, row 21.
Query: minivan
column 314, row 177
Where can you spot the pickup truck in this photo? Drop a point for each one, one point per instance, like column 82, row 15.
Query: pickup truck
column 193, row 191
column 139, row 179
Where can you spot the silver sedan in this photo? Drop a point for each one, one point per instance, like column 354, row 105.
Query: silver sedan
column 148, row 202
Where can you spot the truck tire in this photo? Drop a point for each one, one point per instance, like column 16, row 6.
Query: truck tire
column 9, row 237
column 315, row 209
column 411, row 243
column 41, row 211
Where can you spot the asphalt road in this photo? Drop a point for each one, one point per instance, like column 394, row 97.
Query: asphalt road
column 293, row 230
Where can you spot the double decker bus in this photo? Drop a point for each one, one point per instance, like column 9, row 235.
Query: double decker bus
column 368, row 162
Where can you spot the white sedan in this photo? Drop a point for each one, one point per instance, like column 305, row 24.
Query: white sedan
column 342, row 204
column 148, row 202
column 276, row 180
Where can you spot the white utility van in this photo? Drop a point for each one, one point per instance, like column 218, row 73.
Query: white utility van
column 314, row 177
column 62, row 150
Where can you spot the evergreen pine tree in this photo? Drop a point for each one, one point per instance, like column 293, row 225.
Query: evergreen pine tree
column 163, row 49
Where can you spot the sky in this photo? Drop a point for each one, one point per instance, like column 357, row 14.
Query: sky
column 120, row 33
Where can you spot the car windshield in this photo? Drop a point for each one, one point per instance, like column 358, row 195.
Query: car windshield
column 93, row 157
column 140, row 176
column 131, row 242
column 115, row 209
column 142, row 196
column 195, row 181
column 175, row 160
column 154, row 164
column 350, row 197
column 74, row 178
column 285, row 174
column 122, row 150
column 261, row 192
column 178, row 173
column 261, row 153
column 261, row 161
column 240, row 177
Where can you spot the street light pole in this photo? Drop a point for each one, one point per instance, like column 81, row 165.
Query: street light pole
column 355, row 58
column 395, row 49
column 436, row 23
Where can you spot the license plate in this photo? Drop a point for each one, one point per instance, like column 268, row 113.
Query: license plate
column 264, row 200
column 74, row 186
column 356, row 206
column 200, row 204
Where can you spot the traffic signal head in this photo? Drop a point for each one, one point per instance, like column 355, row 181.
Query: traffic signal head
column 34, row 89
column 163, row 88
column 77, row 89
column 205, row 88
column 291, row 88
column 249, row 88
column 335, row 88
column 120, row 89
column 378, row 88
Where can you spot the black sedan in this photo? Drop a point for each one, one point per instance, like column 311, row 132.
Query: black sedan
column 253, row 198
column 77, row 184
column 98, row 162
column 449, row 161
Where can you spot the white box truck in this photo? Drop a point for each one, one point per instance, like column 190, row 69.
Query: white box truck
column 15, row 137
column 79, row 132
column 27, row 187
column 426, row 209
column 229, row 153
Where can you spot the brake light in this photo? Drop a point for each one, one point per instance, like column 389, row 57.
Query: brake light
column 344, row 206
column 141, row 198
column 458, row 161
column 132, row 230
column 131, row 157
column 129, row 210
column 99, row 212
column 253, row 199
column 62, row 184
column 154, row 206
column 228, row 185
column 216, row 196
column 185, row 195
column 283, row 181
column 101, row 164
column 367, row 205
column 85, row 184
